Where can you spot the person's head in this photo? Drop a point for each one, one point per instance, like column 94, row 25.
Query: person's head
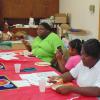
column 75, row 47
column 43, row 29
column 90, row 52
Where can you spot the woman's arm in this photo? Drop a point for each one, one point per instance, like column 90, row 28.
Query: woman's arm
column 66, row 77
column 27, row 45
column 86, row 91
column 61, row 61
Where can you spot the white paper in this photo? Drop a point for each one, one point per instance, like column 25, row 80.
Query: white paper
column 8, row 55
column 21, row 83
column 35, row 77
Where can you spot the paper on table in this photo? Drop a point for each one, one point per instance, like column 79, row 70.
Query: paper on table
column 35, row 77
column 21, row 83
column 8, row 55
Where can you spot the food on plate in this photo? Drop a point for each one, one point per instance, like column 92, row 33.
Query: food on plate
column 42, row 64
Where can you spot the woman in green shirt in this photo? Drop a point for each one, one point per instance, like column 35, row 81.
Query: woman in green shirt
column 44, row 46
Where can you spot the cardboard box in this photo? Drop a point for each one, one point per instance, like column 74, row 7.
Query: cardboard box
column 63, row 29
column 18, row 45
column 60, row 18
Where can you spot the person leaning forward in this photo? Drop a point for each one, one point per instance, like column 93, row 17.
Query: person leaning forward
column 86, row 73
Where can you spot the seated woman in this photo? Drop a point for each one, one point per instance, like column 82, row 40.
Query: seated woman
column 86, row 73
column 6, row 36
column 74, row 53
column 44, row 46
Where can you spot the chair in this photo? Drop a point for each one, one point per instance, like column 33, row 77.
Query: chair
column 63, row 30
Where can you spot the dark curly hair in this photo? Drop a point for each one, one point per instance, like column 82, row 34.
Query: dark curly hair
column 92, row 48
column 76, row 44
column 46, row 26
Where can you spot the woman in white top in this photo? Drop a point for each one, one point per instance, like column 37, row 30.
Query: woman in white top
column 86, row 73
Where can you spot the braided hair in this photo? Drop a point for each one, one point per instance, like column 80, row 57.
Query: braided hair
column 76, row 44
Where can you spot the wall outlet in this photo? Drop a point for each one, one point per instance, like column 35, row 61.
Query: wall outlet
column 92, row 9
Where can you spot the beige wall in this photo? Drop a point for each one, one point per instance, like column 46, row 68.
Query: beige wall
column 81, row 17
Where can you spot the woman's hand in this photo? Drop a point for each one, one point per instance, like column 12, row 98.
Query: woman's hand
column 31, row 55
column 59, row 55
column 25, row 42
column 64, row 89
column 55, row 79
column 27, row 45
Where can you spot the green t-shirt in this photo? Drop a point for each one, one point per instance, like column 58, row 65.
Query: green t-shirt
column 45, row 49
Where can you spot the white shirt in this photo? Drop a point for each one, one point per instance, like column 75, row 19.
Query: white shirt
column 87, row 76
